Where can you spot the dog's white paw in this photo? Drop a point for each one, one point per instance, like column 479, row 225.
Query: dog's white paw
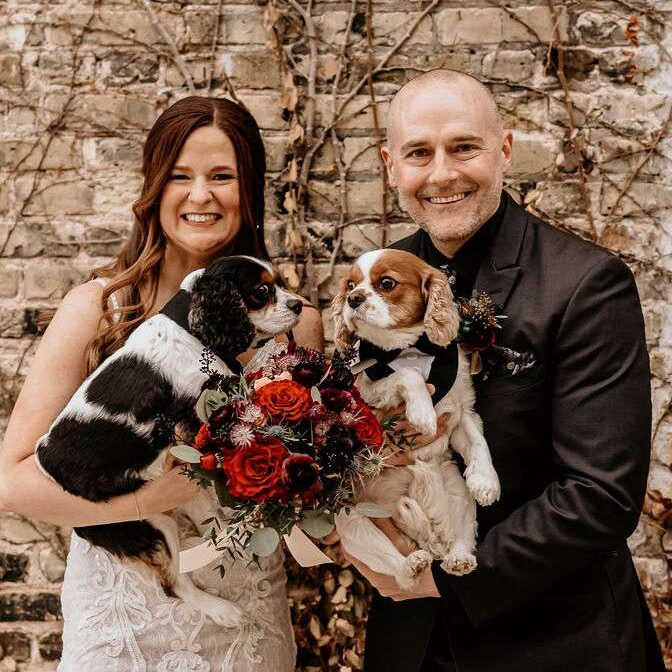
column 423, row 417
column 483, row 486
column 222, row 612
column 459, row 563
column 413, row 566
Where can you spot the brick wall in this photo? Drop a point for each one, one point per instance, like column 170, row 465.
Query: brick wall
column 81, row 82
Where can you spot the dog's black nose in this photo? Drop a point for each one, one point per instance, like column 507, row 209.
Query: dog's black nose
column 295, row 305
column 355, row 300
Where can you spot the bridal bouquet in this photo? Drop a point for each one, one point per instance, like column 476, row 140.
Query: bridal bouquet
column 283, row 445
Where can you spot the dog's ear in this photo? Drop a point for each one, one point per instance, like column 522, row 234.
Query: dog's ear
column 342, row 335
column 442, row 319
column 218, row 317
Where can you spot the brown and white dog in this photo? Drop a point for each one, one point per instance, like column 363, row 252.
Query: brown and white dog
column 402, row 312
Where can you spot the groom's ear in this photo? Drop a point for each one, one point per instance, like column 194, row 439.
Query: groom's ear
column 389, row 166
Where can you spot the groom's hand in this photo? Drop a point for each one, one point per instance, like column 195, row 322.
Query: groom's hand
column 388, row 587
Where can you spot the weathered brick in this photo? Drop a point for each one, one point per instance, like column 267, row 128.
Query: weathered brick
column 493, row 25
column 633, row 110
column 245, row 26
column 360, row 238
column 117, row 111
column 29, row 607
column 66, row 198
column 533, row 153
column 59, row 153
column 13, row 567
column 601, row 28
column 51, row 646
column 640, row 196
column 199, row 27
column 112, row 27
column 15, row 644
column 108, row 152
column 121, row 68
column 652, row 573
column 9, row 281
column 259, row 70
column 50, row 281
column 388, row 27
column 265, row 107
column 363, row 198
column 10, row 70
column 509, row 65
column 52, row 564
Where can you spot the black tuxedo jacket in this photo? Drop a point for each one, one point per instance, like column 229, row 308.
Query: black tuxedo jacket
column 555, row 588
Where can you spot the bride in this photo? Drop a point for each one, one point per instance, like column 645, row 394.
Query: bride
column 202, row 197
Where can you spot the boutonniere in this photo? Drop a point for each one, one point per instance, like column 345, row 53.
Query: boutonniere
column 479, row 327
column 479, row 322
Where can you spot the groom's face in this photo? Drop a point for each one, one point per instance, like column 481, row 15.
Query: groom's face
column 446, row 157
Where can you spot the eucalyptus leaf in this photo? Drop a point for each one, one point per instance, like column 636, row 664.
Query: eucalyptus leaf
column 186, row 454
column 208, row 403
column 317, row 524
column 372, row 510
column 315, row 394
column 263, row 541
column 361, row 366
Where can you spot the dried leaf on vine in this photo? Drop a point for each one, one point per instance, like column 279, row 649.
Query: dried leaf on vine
column 296, row 133
column 289, row 203
column 290, row 94
column 293, row 171
column 631, row 31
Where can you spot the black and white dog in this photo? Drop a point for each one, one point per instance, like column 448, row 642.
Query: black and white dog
column 108, row 440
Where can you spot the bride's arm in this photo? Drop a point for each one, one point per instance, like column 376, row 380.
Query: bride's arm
column 309, row 332
column 58, row 369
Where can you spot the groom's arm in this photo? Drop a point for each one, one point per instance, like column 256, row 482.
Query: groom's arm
column 601, row 444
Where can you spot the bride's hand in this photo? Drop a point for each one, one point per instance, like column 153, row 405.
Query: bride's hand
column 170, row 490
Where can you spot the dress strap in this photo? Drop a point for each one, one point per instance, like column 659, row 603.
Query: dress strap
column 114, row 300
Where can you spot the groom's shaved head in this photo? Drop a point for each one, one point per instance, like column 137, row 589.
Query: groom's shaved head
column 443, row 76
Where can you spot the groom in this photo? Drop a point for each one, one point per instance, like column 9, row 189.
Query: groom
column 555, row 589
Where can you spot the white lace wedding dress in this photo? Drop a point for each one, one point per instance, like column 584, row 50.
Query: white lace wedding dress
column 119, row 619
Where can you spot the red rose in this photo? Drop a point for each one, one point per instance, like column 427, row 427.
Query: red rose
column 367, row 428
column 284, row 399
column 255, row 472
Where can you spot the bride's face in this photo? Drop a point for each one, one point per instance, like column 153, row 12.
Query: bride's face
column 200, row 204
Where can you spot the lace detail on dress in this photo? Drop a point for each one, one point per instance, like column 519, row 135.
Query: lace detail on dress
column 119, row 608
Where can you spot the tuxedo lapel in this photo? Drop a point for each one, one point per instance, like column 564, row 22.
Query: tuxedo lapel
column 499, row 271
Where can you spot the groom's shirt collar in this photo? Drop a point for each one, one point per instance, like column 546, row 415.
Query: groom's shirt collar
column 468, row 259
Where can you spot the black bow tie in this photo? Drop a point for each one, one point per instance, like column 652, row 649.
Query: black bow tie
column 443, row 371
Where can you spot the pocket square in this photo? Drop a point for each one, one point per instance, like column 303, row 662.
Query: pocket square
column 500, row 360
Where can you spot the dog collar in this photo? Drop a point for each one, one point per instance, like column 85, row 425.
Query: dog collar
column 177, row 309
column 438, row 366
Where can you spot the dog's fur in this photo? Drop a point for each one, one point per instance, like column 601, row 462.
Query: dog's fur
column 109, row 439
column 390, row 298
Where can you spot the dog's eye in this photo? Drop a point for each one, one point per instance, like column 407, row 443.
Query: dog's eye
column 350, row 285
column 262, row 292
column 387, row 282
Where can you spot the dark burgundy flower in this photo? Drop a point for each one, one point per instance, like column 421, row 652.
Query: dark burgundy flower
column 307, row 373
column 301, row 476
column 222, row 416
column 337, row 400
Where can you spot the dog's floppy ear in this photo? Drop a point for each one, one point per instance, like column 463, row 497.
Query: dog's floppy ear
column 442, row 320
column 218, row 317
column 342, row 335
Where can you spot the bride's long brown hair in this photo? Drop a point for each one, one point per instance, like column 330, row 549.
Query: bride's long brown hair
column 138, row 262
